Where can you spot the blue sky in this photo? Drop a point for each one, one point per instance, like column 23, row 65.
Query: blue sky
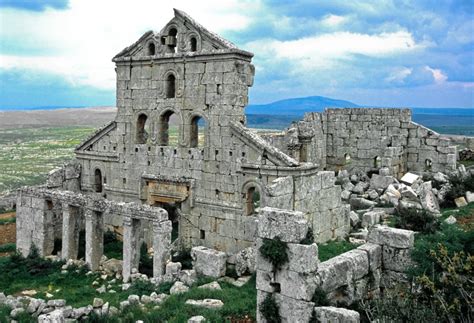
column 384, row 53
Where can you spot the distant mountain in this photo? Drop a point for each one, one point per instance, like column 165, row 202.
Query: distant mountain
column 298, row 106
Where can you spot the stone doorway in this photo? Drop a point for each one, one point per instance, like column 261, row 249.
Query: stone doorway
column 173, row 210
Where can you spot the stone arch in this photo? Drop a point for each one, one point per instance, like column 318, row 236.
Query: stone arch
column 170, row 86
column 198, row 126
column 141, row 136
column 163, row 126
column 151, row 49
column 194, row 42
column 97, row 185
column 252, row 196
column 170, row 38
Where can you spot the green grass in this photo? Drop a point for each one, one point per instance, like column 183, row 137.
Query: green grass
column 7, row 221
column 334, row 248
column 27, row 155
column 7, row 247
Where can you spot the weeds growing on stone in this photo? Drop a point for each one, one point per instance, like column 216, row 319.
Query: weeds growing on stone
column 275, row 251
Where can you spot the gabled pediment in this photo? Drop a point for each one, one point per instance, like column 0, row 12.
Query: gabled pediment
column 181, row 35
column 90, row 148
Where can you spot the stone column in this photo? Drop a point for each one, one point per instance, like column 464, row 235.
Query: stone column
column 94, row 238
column 131, row 246
column 161, row 246
column 70, row 238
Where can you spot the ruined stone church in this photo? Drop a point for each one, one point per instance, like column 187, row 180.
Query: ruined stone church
column 205, row 182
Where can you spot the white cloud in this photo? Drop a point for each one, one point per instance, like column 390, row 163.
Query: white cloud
column 323, row 51
column 398, row 75
column 438, row 75
column 333, row 20
column 86, row 36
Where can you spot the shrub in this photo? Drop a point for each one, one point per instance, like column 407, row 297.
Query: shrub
column 270, row 310
column 275, row 251
column 416, row 220
column 320, row 297
column 459, row 185
column 8, row 247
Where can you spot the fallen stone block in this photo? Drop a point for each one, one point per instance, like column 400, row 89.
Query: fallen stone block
column 374, row 253
column 450, row 220
column 460, row 201
column 211, row 285
column 206, row 303
column 208, row 262
column 379, row 182
column 392, row 237
column 371, row 218
column 469, row 197
column 354, row 218
column 197, row 319
column 409, row 178
column 360, row 203
column 331, row 314
column 178, row 288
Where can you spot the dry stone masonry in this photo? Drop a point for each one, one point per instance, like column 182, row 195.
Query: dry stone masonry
column 179, row 170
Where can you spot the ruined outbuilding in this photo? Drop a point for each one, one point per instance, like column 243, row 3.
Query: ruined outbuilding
column 204, row 183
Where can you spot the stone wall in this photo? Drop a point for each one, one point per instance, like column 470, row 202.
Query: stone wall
column 352, row 276
column 317, row 197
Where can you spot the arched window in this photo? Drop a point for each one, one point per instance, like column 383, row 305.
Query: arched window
column 168, row 128
column 142, row 134
column 193, row 42
column 170, row 86
column 252, row 200
column 377, row 162
column 428, row 164
column 197, row 135
column 97, row 181
column 347, row 158
column 151, row 49
column 171, row 41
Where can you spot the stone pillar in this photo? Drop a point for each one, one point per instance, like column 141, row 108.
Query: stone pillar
column 94, row 238
column 161, row 246
column 131, row 246
column 70, row 239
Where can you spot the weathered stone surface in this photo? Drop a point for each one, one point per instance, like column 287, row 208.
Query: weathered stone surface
column 289, row 226
column 354, row 219
column 396, row 259
column 178, row 288
column 329, row 314
column 361, row 203
column 450, row 220
column 397, row 238
column 374, row 252
column 303, row 258
column 211, row 285
column 197, row 319
column 208, row 262
column 97, row 302
column 460, row 201
column 409, row 178
column 469, row 197
column 293, row 310
column 206, row 303
column 244, row 261
column 379, row 182
column 188, row 276
column 371, row 218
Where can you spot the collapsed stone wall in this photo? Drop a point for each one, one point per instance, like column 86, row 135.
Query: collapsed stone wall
column 352, row 276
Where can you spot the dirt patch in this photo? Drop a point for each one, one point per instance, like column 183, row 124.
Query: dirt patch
column 8, row 230
column 466, row 222
column 7, row 215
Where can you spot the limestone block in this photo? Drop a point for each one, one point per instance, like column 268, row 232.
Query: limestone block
column 469, row 197
column 392, row 237
column 396, row 259
column 374, row 252
column 346, row 195
column 371, row 218
column 381, row 182
column 450, row 220
column 293, row 310
column 197, row 319
column 265, row 281
column 334, row 273
column 460, row 201
column 354, row 218
column 329, row 314
column 360, row 203
column 409, row 178
column 244, row 261
column 289, row 226
column 208, row 262
column 188, row 276
column 360, row 187
column 303, row 258
column 391, row 279
column 206, row 303
column 360, row 262
column 177, row 288
column 429, row 201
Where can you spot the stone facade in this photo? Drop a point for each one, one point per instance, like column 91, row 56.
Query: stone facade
column 212, row 175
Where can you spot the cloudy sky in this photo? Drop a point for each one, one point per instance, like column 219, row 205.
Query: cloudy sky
column 380, row 52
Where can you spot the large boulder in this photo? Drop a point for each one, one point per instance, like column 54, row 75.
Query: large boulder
column 208, row 262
